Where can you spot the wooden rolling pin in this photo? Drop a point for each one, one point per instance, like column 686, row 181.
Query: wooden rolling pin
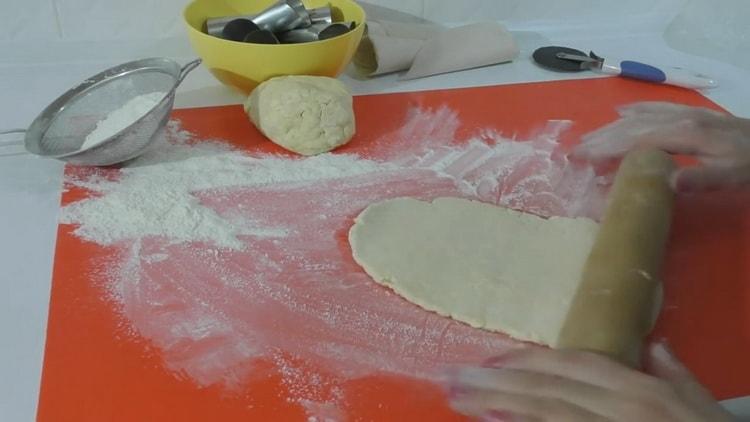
column 619, row 297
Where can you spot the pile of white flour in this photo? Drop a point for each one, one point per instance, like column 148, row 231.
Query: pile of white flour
column 154, row 194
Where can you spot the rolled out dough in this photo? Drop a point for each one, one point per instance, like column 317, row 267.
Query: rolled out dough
column 490, row 267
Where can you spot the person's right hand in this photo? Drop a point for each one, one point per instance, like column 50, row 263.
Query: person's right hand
column 719, row 141
column 540, row 384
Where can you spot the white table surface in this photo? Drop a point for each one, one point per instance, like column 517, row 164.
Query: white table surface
column 34, row 70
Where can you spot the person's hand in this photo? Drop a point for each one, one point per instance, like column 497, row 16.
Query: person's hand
column 540, row 384
column 719, row 141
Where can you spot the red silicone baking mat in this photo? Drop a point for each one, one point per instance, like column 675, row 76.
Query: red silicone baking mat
column 289, row 328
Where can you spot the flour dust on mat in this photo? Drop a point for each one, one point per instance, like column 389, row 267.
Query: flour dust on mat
column 213, row 249
column 154, row 195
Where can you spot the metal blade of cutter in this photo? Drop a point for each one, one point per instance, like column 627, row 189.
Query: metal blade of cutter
column 585, row 62
column 548, row 58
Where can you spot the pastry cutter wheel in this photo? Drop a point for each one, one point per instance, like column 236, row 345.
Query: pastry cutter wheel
column 571, row 60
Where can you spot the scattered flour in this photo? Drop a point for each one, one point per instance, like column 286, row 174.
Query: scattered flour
column 214, row 251
column 122, row 117
column 154, row 195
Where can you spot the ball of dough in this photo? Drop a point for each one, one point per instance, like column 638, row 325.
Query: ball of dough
column 305, row 114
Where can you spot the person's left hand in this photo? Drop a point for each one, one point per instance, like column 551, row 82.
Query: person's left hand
column 541, row 384
column 720, row 142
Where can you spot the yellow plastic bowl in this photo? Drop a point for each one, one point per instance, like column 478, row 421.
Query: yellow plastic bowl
column 244, row 65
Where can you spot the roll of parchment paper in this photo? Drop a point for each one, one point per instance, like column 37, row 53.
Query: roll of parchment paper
column 619, row 297
column 426, row 50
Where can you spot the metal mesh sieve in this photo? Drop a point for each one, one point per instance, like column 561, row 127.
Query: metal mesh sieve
column 60, row 130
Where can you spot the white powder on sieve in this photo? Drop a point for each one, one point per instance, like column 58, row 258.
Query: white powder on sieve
column 154, row 195
column 122, row 117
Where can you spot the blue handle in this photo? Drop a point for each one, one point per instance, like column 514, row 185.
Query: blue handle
column 641, row 71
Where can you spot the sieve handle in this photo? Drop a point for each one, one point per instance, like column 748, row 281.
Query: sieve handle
column 8, row 132
column 186, row 69
column 11, row 143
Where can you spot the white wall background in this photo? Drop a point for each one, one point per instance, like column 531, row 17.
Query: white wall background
column 712, row 28
column 77, row 20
